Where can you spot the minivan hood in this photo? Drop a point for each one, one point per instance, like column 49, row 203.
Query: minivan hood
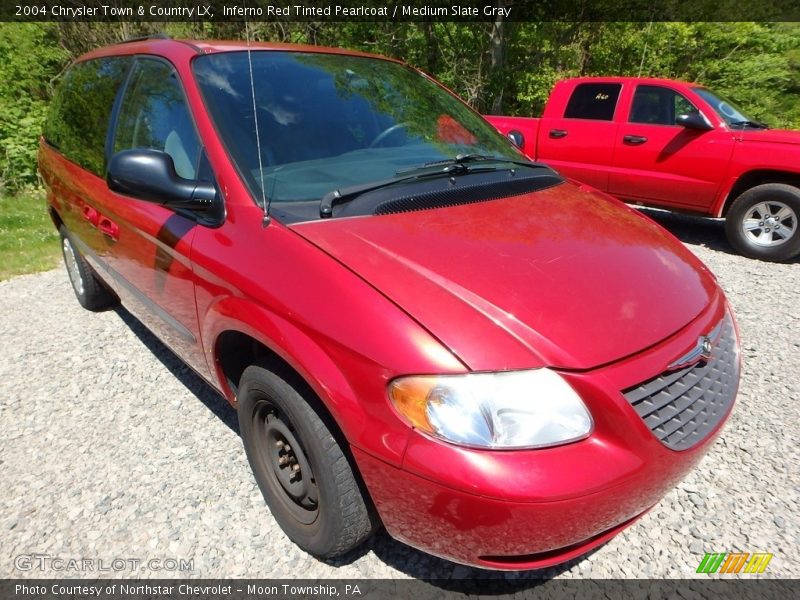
column 564, row 277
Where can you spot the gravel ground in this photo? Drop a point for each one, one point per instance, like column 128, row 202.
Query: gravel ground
column 112, row 449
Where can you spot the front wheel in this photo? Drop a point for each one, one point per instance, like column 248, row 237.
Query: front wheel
column 763, row 222
column 300, row 467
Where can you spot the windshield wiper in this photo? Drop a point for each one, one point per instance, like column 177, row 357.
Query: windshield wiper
column 451, row 167
column 459, row 163
column 746, row 123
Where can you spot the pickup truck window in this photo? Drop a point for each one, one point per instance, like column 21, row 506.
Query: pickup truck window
column 77, row 123
column 728, row 111
column 658, row 105
column 154, row 115
column 596, row 101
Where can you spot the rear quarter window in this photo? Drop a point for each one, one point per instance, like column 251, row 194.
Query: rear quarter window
column 595, row 101
column 77, row 123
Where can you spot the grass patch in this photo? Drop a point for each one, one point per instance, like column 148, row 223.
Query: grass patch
column 28, row 240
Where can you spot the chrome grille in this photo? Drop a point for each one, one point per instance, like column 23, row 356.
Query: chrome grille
column 682, row 406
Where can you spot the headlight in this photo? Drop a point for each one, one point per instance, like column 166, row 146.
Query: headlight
column 514, row 409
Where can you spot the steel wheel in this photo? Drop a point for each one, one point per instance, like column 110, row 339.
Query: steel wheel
column 285, row 460
column 89, row 290
column 299, row 463
column 71, row 261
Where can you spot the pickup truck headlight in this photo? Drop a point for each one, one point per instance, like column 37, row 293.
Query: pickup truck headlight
column 513, row 409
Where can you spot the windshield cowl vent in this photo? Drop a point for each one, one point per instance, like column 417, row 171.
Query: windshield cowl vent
column 468, row 194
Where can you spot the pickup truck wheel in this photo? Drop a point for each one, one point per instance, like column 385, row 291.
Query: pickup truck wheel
column 763, row 222
column 91, row 294
column 303, row 474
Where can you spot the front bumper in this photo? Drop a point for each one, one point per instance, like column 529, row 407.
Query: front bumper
column 529, row 509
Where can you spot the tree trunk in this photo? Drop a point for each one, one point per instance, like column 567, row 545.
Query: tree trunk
column 497, row 59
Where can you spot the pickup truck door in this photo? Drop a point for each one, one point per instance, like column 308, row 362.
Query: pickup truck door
column 150, row 261
column 658, row 162
column 580, row 142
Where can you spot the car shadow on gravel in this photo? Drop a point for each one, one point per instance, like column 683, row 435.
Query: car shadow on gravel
column 695, row 230
column 191, row 380
column 701, row 231
column 448, row 575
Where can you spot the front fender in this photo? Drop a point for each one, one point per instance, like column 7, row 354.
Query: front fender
column 357, row 403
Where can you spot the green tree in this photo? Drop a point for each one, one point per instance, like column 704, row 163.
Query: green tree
column 30, row 58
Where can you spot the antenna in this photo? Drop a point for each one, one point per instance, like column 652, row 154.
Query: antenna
column 264, row 202
column 644, row 50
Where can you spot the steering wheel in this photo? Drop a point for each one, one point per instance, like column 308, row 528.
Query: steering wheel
column 386, row 133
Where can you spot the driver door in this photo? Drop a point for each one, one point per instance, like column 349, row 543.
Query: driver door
column 659, row 162
column 151, row 259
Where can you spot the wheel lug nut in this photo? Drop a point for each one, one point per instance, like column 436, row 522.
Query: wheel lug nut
column 295, row 467
column 283, row 460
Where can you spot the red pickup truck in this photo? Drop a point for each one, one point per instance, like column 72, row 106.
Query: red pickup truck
column 673, row 145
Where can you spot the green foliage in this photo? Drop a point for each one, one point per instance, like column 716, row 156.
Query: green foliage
column 30, row 58
column 28, row 240
column 505, row 67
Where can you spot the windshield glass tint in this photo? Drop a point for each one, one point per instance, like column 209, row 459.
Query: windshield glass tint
column 329, row 121
column 725, row 109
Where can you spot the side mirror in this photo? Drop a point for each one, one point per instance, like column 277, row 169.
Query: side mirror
column 150, row 175
column 693, row 121
column 516, row 138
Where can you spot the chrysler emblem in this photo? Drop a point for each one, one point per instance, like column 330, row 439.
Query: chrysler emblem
column 703, row 350
column 706, row 347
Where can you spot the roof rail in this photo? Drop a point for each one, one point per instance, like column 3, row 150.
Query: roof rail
column 155, row 36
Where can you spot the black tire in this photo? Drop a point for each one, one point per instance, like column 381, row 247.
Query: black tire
column 322, row 507
column 89, row 290
column 759, row 208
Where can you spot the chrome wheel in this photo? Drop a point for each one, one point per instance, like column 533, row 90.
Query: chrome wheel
column 769, row 223
column 72, row 266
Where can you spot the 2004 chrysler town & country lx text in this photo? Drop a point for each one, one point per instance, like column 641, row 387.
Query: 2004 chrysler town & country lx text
column 428, row 331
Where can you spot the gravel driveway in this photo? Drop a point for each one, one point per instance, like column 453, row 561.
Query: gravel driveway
column 111, row 449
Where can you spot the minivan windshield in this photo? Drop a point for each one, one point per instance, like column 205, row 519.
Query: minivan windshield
column 329, row 121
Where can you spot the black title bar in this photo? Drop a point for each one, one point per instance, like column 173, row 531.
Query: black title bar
column 495, row 586
column 408, row 10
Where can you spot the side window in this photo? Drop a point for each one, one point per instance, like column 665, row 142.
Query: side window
column 77, row 122
column 595, row 101
column 154, row 115
column 658, row 105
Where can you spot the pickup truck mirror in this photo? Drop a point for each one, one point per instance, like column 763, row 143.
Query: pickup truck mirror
column 693, row 121
column 150, row 175
column 516, row 138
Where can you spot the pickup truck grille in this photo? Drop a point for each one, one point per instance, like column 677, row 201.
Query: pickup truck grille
column 682, row 406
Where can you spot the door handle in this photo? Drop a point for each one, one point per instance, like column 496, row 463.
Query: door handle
column 634, row 140
column 109, row 228
column 90, row 214
column 558, row 133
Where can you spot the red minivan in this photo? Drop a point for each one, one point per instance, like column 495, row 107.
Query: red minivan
column 420, row 328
